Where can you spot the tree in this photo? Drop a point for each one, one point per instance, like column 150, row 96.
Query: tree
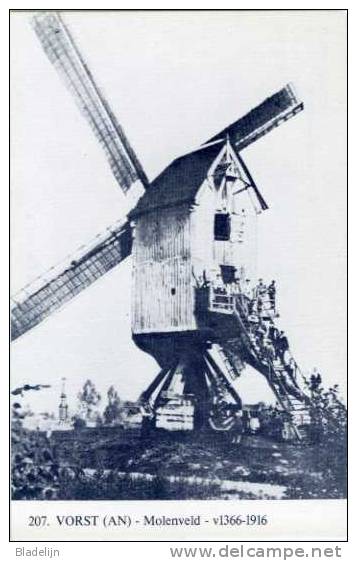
column 112, row 410
column 328, row 412
column 89, row 398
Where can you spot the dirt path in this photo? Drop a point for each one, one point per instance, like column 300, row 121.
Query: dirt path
column 259, row 490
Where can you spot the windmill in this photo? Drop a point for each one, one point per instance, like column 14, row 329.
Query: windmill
column 189, row 234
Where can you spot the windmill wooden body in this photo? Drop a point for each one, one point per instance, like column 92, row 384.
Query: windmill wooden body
column 189, row 234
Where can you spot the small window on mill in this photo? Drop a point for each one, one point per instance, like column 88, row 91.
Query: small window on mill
column 228, row 273
column 222, row 226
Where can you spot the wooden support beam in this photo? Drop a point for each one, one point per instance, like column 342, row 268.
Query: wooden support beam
column 222, row 377
column 146, row 394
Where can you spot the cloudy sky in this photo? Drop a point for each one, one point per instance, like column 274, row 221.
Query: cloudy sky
column 173, row 80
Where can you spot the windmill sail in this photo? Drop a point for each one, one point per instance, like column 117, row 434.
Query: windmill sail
column 41, row 298
column 63, row 53
column 274, row 111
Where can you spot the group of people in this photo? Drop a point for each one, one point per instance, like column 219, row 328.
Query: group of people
column 269, row 342
column 262, row 298
column 259, row 307
column 256, row 306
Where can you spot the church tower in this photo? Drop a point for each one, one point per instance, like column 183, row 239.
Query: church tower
column 63, row 406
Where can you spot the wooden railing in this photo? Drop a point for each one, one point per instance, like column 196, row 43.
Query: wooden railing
column 212, row 299
column 220, row 301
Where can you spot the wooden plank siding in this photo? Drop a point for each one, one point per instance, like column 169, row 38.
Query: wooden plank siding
column 174, row 248
column 207, row 253
column 163, row 291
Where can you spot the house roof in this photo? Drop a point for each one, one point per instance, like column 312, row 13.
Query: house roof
column 180, row 181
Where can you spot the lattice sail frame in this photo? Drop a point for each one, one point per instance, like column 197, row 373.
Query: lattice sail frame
column 50, row 292
column 271, row 113
column 64, row 55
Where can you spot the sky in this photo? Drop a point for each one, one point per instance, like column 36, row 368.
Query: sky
column 174, row 79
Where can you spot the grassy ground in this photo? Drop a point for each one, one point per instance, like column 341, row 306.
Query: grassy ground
column 304, row 471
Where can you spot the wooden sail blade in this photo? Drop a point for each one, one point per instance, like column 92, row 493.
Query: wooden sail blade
column 64, row 55
column 47, row 294
column 274, row 111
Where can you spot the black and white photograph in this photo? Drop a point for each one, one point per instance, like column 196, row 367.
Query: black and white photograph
column 178, row 257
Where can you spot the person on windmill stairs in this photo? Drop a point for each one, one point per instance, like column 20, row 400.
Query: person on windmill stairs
column 272, row 296
column 282, row 345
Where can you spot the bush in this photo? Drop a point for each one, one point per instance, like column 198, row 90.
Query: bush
column 328, row 434
column 34, row 469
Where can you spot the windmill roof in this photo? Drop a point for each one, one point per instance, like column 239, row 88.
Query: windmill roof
column 180, row 181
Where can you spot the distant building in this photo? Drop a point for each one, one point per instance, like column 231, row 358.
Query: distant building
column 63, row 406
column 47, row 422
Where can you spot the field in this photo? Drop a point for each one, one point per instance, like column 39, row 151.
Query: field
column 96, row 464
